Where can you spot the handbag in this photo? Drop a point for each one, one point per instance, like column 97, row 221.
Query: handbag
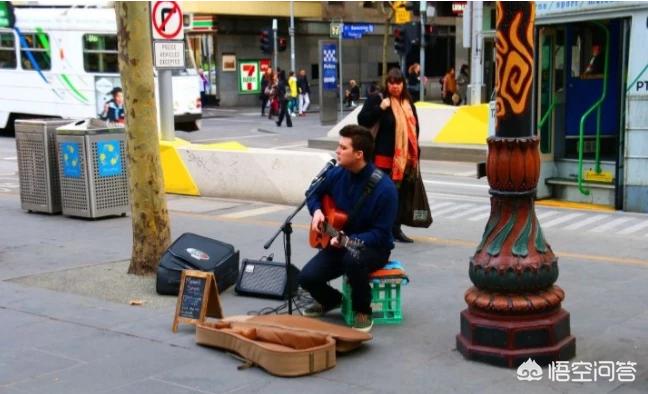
column 414, row 207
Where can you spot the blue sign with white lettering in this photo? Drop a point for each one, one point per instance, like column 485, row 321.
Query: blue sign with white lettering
column 71, row 163
column 356, row 31
column 329, row 66
column 109, row 161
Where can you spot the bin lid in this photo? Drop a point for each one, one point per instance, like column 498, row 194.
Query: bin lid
column 38, row 125
column 90, row 126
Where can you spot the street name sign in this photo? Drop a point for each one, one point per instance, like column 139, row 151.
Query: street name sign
column 356, row 31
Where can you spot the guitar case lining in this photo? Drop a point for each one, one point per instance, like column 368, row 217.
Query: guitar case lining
column 283, row 345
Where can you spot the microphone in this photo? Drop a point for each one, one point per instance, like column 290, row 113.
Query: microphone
column 330, row 164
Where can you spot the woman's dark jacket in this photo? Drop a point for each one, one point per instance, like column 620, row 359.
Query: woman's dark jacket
column 282, row 87
column 385, row 139
column 302, row 84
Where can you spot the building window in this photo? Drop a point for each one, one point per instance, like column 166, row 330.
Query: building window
column 7, row 50
column 36, row 47
column 100, row 53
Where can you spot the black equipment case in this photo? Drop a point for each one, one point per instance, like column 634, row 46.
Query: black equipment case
column 194, row 252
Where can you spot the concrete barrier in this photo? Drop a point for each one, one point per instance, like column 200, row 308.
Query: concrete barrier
column 439, row 123
column 268, row 175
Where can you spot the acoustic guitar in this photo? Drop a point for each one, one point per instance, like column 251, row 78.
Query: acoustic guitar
column 332, row 228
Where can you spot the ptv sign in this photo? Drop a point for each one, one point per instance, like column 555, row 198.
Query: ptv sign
column 166, row 20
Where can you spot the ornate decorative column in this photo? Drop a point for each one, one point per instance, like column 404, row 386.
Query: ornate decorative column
column 514, row 309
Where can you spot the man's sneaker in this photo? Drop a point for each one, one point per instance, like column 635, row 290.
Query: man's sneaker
column 316, row 309
column 363, row 322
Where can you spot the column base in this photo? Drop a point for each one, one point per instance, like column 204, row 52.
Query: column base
column 508, row 341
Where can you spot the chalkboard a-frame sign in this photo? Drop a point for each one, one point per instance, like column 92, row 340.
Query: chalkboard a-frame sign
column 198, row 297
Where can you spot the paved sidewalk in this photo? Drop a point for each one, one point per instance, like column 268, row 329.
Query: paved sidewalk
column 67, row 326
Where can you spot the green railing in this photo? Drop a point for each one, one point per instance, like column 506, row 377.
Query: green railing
column 597, row 106
column 553, row 100
column 549, row 110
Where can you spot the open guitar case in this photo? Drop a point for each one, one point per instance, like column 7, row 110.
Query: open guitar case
column 283, row 345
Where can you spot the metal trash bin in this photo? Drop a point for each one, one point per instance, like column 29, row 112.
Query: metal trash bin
column 38, row 171
column 92, row 169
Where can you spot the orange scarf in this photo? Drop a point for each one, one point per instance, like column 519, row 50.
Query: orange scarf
column 406, row 145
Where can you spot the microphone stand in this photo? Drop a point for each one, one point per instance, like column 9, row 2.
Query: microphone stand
column 286, row 228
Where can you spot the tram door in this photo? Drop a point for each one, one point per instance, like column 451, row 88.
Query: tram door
column 551, row 102
column 594, row 76
column 579, row 109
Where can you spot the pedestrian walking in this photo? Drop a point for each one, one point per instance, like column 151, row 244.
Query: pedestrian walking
column 266, row 90
column 292, row 84
column 283, row 95
column 304, row 92
column 462, row 84
column 204, row 86
column 449, row 87
column 414, row 81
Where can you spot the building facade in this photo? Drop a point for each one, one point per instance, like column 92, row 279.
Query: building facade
column 223, row 34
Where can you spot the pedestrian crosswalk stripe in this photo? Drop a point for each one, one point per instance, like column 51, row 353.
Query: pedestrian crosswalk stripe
column 561, row 219
column 470, row 211
column 254, row 212
column 609, row 225
column 633, row 228
column 480, row 217
column 453, row 209
column 585, row 222
column 439, row 205
column 547, row 214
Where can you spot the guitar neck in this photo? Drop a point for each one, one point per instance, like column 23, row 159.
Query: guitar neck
column 350, row 243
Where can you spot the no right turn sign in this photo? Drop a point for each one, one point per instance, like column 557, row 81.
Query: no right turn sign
column 166, row 20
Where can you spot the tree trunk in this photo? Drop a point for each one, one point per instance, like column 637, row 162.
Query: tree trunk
column 149, row 215
column 388, row 17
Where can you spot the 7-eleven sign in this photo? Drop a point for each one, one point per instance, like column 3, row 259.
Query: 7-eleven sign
column 249, row 77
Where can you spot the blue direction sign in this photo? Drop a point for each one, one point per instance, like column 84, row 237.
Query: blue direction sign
column 356, row 31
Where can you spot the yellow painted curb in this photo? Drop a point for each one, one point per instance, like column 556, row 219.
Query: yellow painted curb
column 423, row 104
column 469, row 125
column 177, row 178
column 573, row 205
column 229, row 145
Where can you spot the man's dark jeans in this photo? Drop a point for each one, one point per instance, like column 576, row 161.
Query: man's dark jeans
column 331, row 263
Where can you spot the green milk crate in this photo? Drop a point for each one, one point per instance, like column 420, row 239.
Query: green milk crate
column 385, row 302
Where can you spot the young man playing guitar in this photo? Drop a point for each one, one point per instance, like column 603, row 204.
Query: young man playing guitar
column 371, row 202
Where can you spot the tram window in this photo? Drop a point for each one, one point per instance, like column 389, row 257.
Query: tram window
column 588, row 52
column 7, row 50
column 100, row 53
column 36, row 47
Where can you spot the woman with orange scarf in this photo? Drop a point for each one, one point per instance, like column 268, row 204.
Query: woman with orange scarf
column 394, row 117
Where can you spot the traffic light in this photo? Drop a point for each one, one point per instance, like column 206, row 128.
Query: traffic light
column 414, row 7
column 266, row 41
column 401, row 43
column 430, row 36
column 281, row 44
column 406, row 38
column 414, row 35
